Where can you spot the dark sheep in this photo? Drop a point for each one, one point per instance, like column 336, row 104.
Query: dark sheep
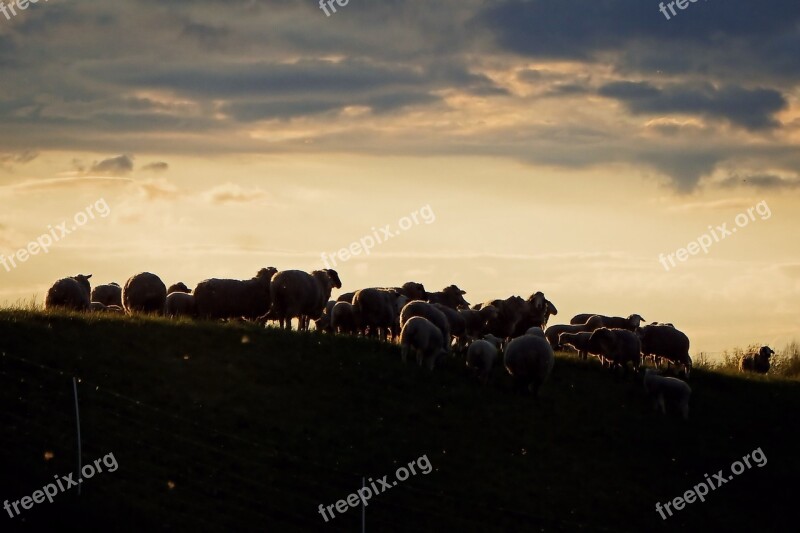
column 233, row 298
column 144, row 293
column 668, row 343
column 451, row 296
column 300, row 295
column 70, row 293
column 110, row 294
column 618, row 346
column 757, row 362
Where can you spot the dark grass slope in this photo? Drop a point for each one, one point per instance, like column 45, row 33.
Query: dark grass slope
column 235, row 428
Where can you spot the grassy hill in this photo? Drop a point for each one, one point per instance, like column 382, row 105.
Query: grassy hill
column 233, row 427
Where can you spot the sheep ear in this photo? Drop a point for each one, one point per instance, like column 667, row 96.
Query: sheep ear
column 463, row 292
column 89, row 276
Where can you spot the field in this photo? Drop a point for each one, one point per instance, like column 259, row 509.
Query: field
column 234, row 427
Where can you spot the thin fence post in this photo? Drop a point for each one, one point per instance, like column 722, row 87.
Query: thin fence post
column 78, row 425
column 363, row 509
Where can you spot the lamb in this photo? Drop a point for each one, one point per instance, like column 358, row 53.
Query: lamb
column 552, row 333
column 579, row 341
column 667, row 390
column 343, row 319
column 529, row 359
column 631, row 323
column 451, row 296
column 70, row 293
column 110, row 294
column 668, row 343
column 376, row 309
column 232, row 298
column 421, row 336
column 428, row 311
column 298, row 294
column 178, row 287
column 756, row 362
column 481, row 356
column 181, row 304
column 323, row 323
column 144, row 293
column 618, row 346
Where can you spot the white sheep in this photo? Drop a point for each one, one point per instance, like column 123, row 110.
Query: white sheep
column 482, row 355
column 144, row 293
column 670, row 390
column 421, row 336
column 70, row 293
column 529, row 359
column 298, row 294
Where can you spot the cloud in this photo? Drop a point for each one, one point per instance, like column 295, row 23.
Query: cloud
column 762, row 181
column 231, row 193
column 115, row 166
column 715, row 205
column 158, row 166
column 753, row 109
column 63, row 183
column 159, row 189
column 8, row 160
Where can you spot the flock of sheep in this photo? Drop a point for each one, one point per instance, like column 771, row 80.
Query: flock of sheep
column 429, row 325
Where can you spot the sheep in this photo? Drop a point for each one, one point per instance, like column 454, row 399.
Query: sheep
column 670, row 390
column 631, row 323
column 233, row 298
column 323, row 323
column 476, row 321
column 451, row 296
column 536, row 312
column 579, row 341
column 298, row 294
column 181, row 304
column 756, row 362
column 411, row 290
column 346, row 297
column 529, row 359
column 70, row 293
column 376, row 309
column 618, row 346
column 481, row 356
column 178, row 287
column 668, row 343
column 110, row 294
column 343, row 319
column 552, row 333
column 428, row 311
column 458, row 326
column 144, row 293
column 509, row 312
column 424, row 338
column 536, row 331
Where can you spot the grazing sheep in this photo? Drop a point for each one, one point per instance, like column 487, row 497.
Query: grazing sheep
column 323, row 323
column 144, row 293
column 618, row 346
column 668, row 343
column 579, row 341
column 458, row 326
column 377, row 310
column 529, row 359
column 476, row 321
column 343, row 319
column 298, row 294
column 667, row 390
column 421, row 336
column 110, row 294
column 631, row 323
column 178, row 287
column 756, row 362
column 70, row 293
column 428, row 311
column 481, row 356
column 552, row 333
column 536, row 331
column 411, row 290
column 233, row 298
column 181, row 304
column 451, row 296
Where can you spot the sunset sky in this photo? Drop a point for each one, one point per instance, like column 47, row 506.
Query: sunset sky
column 562, row 145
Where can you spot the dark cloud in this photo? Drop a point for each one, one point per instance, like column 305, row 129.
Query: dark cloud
column 158, row 166
column 120, row 165
column 753, row 109
column 762, row 181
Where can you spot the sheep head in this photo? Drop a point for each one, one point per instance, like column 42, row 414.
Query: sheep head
column 414, row 290
column 267, row 273
column 334, row 277
column 765, row 352
column 83, row 281
column 635, row 320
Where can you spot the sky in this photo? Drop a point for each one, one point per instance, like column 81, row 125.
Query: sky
column 560, row 146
